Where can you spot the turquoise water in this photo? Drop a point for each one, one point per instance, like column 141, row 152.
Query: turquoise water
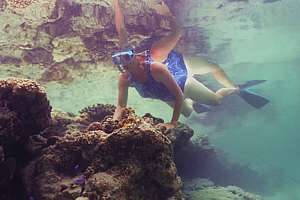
column 250, row 41
column 268, row 139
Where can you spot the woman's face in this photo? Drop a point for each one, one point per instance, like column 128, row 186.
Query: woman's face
column 130, row 63
column 124, row 60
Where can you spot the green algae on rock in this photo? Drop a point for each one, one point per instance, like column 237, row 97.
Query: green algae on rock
column 223, row 193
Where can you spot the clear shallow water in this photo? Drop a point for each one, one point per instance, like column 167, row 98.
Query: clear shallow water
column 268, row 139
column 250, row 41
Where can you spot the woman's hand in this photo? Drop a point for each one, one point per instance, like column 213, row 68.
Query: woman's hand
column 118, row 114
column 166, row 126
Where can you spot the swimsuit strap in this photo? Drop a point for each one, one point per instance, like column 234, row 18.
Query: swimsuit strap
column 148, row 59
column 156, row 90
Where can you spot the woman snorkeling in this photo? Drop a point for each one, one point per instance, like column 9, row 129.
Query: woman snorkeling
column 162, row 73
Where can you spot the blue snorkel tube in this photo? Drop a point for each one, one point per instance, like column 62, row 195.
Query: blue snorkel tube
column 122, row 58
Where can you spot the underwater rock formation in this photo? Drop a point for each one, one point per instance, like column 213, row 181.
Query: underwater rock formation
column 24, row 112
column 203, row 189
column 26, row 102
column 3, row 5
column 10, row 60
column 37, row 56
column 131, row 160
column 19, row 4
column 91, row 156
column 50, row 33
column 180, row 139
column 96, row 113
column 61, row 124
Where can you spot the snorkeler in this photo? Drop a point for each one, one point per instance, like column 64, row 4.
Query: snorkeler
column 162, row 73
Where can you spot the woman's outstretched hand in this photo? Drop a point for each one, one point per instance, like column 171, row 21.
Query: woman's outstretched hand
column 166, row 126
column 118, row 113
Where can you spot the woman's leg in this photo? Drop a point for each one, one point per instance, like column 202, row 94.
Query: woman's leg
column 161, row 48
column 187, row 107
column 201, row 66
column 198, row 92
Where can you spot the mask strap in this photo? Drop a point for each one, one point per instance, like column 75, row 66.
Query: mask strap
column 121, row 69
column 146, row 53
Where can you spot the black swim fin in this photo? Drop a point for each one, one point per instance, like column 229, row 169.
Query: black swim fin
column 253, row 99
column 201, row 108
column 250, row 97
column 251, row 83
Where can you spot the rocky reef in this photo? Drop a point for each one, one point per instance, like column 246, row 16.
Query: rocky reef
column 90, row 156
column 125, row 160
column 24, row 113
column 64, row 38
column 203, row 189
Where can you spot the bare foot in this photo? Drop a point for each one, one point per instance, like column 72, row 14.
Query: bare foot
column 161, row 8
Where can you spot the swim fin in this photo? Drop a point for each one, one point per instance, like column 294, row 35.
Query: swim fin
column 250, row 97
column 201, row 108
column 253, row 99
column 250, row 84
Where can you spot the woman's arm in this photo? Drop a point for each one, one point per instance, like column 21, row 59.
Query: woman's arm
column 122, row 96
column 161, row 74
column 120, row 24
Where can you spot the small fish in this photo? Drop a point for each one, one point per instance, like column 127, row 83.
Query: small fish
column 80, row 180
column 270, row 1
column 77, row 167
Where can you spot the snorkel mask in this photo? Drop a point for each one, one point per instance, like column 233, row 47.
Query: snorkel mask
column 122, row 58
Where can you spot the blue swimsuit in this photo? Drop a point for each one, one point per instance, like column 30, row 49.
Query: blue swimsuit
column 156, row 90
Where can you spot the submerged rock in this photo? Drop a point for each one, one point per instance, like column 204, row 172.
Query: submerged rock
column 38, row 56
column 24, row 112
column 27, row 103
column 92, row 156
column 96, row 113
column 3, row 5
column 49, row 33
column 204, row 189
column 9, row 60
column 61, row 124
column 186, row 152
column 133, row 156
column 223, row 193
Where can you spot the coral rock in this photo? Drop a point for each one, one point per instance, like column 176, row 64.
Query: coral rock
column 29, row 103
column 38, row 55
column 24, row 112
column 221, row 193
column 133, row 156
column 97, row 113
